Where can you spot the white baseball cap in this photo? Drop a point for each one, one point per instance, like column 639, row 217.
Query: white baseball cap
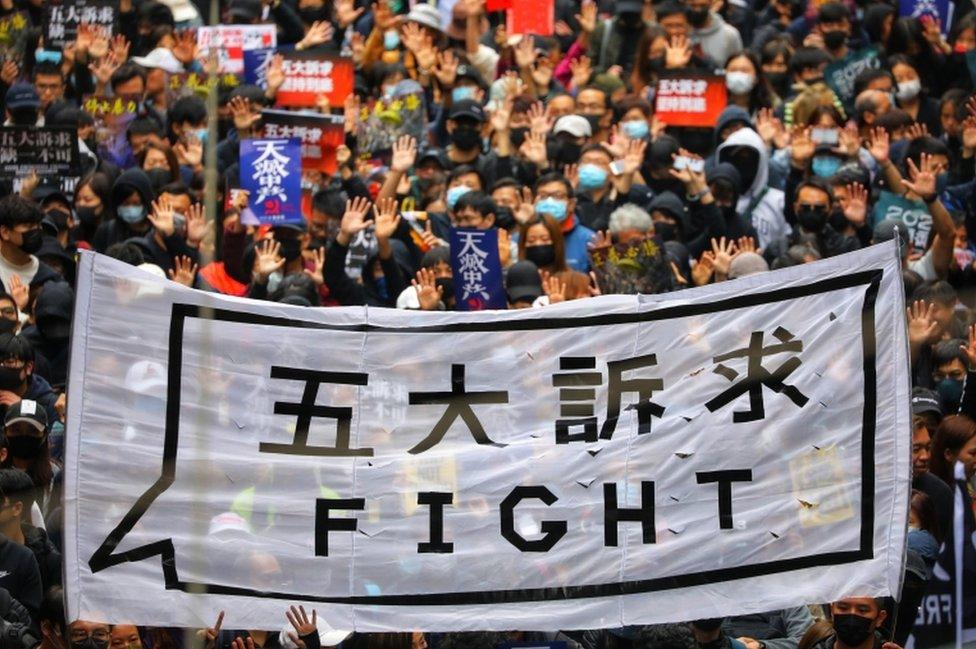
column 160, row 58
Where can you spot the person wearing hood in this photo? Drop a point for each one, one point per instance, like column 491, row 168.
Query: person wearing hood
column 132, row 199
column 49, row 333
column 730, row 120
column 669, row 216
column 21, row 238
column 17, row 494
column 658, row 163
column 717, row 39
column 761, row 204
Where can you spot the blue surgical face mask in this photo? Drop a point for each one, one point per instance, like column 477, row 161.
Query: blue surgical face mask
column 40, row 56
column 592, row 177
column 552, row 207
column 202, row 135
column 461, row 93
column 635, row 129
column 132, row 214
column 391, row 39
column 825, row 166
column 454, row 193
column 950, row 393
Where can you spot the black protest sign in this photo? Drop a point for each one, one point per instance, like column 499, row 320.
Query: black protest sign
column 46, row 151
column 61, row 19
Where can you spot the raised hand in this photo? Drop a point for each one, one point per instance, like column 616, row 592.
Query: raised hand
column 429, row 294
column 161, row 217
column 184, row 271
column 446, row 68
column 404, row 154
column 196, row 225
column 244, row 117
column 540, row 119
column 677, row 52
column 768, row 126
column 185, row 49
column 848, row 141
column 120, row 47
column 320, row 32
column 542, row 73
column 300, row 621
column 587, row 16
column 534, row 149
column 9, row 72
column 501, row 117
column 922, row 326
column 354, row 220
column 923, row 180
column 189, row 153
column 525, row 52
column 634, row 156
column 582, row 69
column 802, row 146
column 856, row 209
column 19, row 292
column 916, row 130
column 347, row 13
column 702, row 272
column 879, row 145
column 315, row 273
column 554, row 287
column 241, row 643
column 275, row 75
column 267, row 260
column 601, row 242
column 525, row 211
column 209, row 636
column 746, row 244
column 723, row 251
column 386, row 219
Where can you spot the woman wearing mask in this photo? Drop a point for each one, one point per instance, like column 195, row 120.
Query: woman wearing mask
column 160, row 164
column 649, row 61
column 746, row 84
column 775, row 64
column 910, row 95
column 541, row 242
column 92, row 197
column 954, row 441
column 131, row 199
column 26, row 447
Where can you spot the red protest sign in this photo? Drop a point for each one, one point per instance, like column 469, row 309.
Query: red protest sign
column 320, row 136
column 310, row 74
column 534, row 17
column 690, row 100
column 499, row 5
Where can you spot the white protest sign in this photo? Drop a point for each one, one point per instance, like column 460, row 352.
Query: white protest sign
column 231, row 41
column 736, row 448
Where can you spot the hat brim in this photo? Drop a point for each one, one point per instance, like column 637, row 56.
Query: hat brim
column 523, row 294
column 38, row 426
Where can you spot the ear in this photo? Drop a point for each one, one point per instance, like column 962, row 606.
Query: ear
column 949, row 456
column 882, row 615
column 450, row 125
column 18, row 509
column 491, row 219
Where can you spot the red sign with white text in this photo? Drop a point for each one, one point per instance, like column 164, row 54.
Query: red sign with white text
column 311, row 74
column 690, row 100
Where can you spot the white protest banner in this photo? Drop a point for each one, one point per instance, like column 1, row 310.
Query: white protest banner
column 231, row 41
column 734, row 448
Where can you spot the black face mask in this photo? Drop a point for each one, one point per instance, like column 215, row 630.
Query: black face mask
column 780, row 81
column 446, row 284
column 541, row 255
column 466, row 137
column 666, row 231
column 10, row 379
column 59, row 218
column 629, row 21
column 309, row 16
column 504, row 218
column 852, row 630
column 291, row 249
column 7, row 326
column 91, row 144
column 159, row 178
column 517, row 135
column 745, row 159
column 837, row 220
column 563, row 152
column 87, row 217
column 32, row 241
column 834, row 39
column 594, row 121
column 657, row 64
column 89, row 643
column 697, row 17
column 25, row 447
column 812, row 219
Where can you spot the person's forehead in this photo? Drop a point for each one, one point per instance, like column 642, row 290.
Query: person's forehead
column 857, row 602
column 552, row 186
column 591, row 95
column 176, row 198
column 124, row 630
column 674, row 19
column 86, row 625
column 812, row 194
column 597, row 156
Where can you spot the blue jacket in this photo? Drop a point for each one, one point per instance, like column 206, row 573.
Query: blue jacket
column 577, row 254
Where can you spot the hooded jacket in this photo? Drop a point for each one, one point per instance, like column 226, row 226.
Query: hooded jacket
column 762, row 204
column 51, row 312
column 20, row 576
column 48, row 557
column 719, row 40
column 115, row 230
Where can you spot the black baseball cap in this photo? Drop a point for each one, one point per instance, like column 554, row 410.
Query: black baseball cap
column 467, row 108
column 29, row 411
column 437, row 155
column 924, row 401
column 22, row 95
column 522, row 282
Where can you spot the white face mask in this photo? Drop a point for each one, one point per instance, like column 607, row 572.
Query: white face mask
column 739, row 83
column 908, row 90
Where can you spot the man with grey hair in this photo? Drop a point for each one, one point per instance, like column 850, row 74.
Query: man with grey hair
column 629, row 221
column 868, row 107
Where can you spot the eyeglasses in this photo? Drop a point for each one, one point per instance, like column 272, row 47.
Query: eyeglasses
column 49, row 86
column 98, row 636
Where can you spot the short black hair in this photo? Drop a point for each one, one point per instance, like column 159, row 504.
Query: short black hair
column 16, row 210
column 946, row 351
column 190, row 109
column 815, row 183
column 436, row 255
column 126, row 252
column 926, row 144
column 127, row 72
column 864, row 79
column 17, row 486
column 144, row 126
column 478, row 201
column 833, row 12
column 554, row 177
column 177, row 188
column 331, row 202
column 16, row 347
column 501, row 183
column 942, row 292
column 47, row 68
column 805, row 58
column 668, row 8
column 464, row 170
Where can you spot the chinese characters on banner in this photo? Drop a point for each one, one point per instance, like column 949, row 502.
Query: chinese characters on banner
column 61, row 19
column 320, row 135
column 477, row 267
column 840, row 75
column 197, row 83
column 939, row 10
column 690, row 100
column 231, row 41
column 50, row 151
column 310, row 74
column 736, row 448
column 271, row 171
column 256, row 67
column 112, row 117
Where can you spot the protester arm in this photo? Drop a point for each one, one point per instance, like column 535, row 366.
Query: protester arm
column 341, row 286
column 290, row 27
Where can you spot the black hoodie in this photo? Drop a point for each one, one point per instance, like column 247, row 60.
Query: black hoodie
column 52, row 314
column 115, row 230
column 48, row 557
column 20, row 575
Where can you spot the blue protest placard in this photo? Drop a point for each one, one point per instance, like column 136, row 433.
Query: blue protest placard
column 271, row 172
column 940, row 10
column 256, row 67
column 477, row 267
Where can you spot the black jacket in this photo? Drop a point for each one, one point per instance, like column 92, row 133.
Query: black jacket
column 48, row 557
column 20, row 575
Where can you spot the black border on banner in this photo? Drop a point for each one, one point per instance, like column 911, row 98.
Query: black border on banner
column 105, row 557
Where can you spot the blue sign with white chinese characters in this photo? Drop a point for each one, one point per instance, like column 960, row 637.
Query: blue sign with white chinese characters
column 477, row 267
column 271, row 172
column 256, row 67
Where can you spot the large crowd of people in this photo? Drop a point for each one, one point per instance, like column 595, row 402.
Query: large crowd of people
column 552, row 141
